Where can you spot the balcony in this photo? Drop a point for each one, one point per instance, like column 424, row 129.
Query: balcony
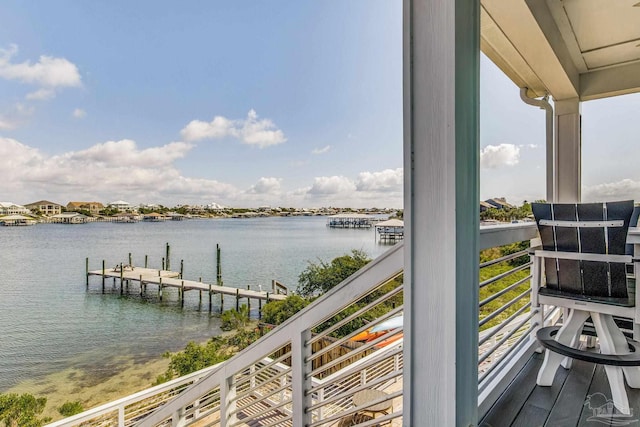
column 309, row 372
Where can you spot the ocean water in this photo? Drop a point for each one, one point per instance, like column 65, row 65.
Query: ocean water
column 50, row 321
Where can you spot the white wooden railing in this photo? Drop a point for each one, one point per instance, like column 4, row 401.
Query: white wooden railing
column 288, row 379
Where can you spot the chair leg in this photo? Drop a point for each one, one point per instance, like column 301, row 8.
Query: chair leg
column 566, row 362
column 567, row 333
column 603, row 324
column 631, row 374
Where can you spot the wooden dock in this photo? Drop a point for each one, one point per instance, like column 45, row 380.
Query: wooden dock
column 172, row 279
column 165, row 278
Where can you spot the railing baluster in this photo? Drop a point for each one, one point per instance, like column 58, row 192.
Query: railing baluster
column 300, row 378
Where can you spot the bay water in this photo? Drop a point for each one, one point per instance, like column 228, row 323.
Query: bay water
column 50, row 321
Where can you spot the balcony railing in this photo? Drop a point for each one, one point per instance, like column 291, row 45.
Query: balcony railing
column 310, row 370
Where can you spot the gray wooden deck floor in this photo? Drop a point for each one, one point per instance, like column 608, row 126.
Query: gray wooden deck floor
column 578, row 397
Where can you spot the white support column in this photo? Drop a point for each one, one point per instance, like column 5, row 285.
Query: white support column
column 568, row 150
column 441, row 156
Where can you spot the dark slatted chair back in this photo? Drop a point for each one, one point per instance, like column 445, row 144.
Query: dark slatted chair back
column 588, row 228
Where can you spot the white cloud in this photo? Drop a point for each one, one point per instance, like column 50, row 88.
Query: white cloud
column 6, row 124
column 219, row 127
column 387, row 180
column 41, row 95
column 252, row 131
column 16, row 116
column 48, row 72
column 125, row 153
column 264, row 185
column 122, row 170
column 322, row 150
column 495, row 156
column 325, row 185
column 79, row 113
column 620, row 190
column 114, row 169
column 262, row 133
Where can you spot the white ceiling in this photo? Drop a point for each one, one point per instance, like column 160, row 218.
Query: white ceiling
column 567, row 48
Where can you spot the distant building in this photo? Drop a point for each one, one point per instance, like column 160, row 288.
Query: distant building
column 93, row 207
column 45, row 207
column 121, row 206
column 69, row 218
column 215, row 207
column 499, row 203
column 484, row 206
column 10, row 208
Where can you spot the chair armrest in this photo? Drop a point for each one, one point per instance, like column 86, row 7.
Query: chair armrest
column 532, row 250
column 584, row 256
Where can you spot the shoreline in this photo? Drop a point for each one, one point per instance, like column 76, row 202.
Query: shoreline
column 123, row 377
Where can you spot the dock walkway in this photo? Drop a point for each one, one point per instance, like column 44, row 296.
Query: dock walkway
column 172, row 279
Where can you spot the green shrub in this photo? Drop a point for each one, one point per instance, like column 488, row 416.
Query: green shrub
column 232, row 319
column 276, row 312
column 317, row 279
column 22, row 410
column 70, row 408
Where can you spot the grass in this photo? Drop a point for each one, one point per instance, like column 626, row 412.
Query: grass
column 494, row 288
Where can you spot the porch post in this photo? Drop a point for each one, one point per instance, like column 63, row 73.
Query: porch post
column 569, row 147
column 441, row 199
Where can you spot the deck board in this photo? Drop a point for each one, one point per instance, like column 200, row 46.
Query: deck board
column 573, row 393
column 505, row 411
column 541, row 401
column 564, row 404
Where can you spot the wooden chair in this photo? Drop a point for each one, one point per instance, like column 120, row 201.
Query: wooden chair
column 584, row 261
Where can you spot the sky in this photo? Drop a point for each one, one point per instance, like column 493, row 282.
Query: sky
column 248, row 103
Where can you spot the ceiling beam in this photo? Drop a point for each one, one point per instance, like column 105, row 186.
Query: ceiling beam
column 526, row 44
column 619, row 80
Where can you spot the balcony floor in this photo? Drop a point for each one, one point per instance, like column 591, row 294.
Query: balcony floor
column 564, row 403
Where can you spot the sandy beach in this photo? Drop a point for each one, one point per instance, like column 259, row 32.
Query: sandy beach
column 120, row 378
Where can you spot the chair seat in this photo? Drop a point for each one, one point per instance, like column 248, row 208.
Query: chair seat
column 620, row 302
column 546, row 337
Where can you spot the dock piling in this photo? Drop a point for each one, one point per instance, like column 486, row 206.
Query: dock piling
column 121, row 277
column 237, row 299
column 181, row 268
column 146, row 261
column 168, row 257
column 87, row 271
column 141, row 285
column 210, row 295
column 200, row 280
column 163, row 264
column 259, row 308
column 130, row 260
column 160, row 289
column 182, row 294
column 218, row 266
column 103, row 276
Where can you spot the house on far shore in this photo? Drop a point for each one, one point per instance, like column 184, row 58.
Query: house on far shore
column 69, row 218
column 93, row 208
column 499, row 203
column 484, row 206
column 10, row 208
column 121, row 206
column 45, row 207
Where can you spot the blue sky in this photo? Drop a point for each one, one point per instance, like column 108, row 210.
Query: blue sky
column 242, row 103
